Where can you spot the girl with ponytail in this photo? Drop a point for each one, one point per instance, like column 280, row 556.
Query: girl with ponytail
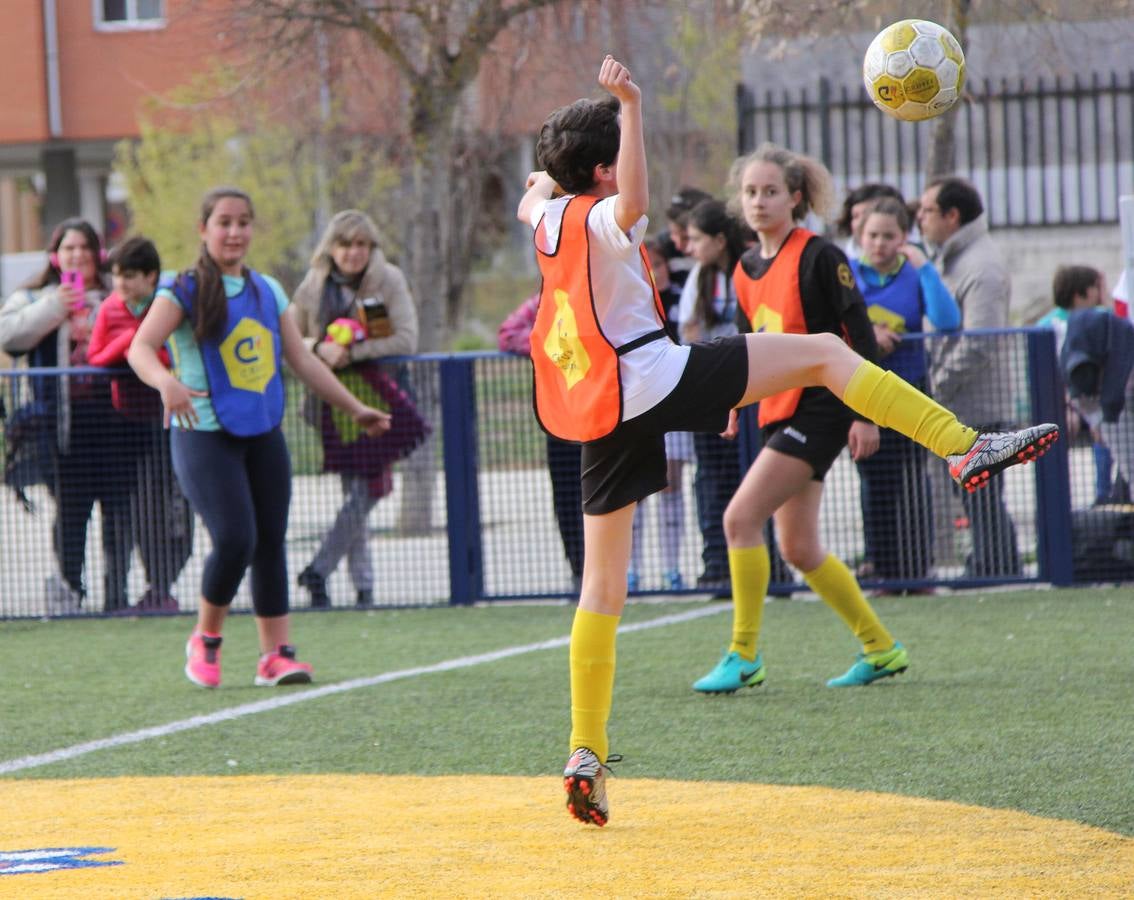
column 229, row 328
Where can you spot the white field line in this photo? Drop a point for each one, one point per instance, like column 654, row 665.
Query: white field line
column 281, row 700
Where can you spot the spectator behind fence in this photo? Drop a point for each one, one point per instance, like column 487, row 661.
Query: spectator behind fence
column 1074, row 288
column 678, row 451
column 674, row 241
column 71, row 417
column 162, row 521
column 708, row 311
column 857, row 203
column 514, row 336
column 353, row 308
column 225, row 409
column 607, row 374
column 973, row 374
column 1097, row 360
column 901, row 288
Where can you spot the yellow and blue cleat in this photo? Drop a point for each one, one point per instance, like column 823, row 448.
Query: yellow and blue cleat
column 869, row 667
column 731, row 674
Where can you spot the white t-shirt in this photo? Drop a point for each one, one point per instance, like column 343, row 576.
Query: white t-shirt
column 724, row 303
column 624, row 303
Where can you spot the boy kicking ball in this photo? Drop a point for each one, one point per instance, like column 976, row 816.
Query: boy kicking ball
column 608, row 376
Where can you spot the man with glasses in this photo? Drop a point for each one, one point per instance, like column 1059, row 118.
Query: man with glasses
column 972, row 374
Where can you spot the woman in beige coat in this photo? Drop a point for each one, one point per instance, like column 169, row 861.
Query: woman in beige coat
column 350, row 281
column 88, row 450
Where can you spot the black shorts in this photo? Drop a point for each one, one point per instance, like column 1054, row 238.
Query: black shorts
column 816, row 433
column 629, row 463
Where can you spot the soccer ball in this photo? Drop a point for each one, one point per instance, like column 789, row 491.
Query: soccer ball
column 914, row 70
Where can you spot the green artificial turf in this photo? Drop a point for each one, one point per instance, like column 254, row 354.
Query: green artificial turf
column 1019, row 700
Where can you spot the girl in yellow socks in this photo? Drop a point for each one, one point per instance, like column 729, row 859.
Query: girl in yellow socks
column 795, row 282
column 608, row 376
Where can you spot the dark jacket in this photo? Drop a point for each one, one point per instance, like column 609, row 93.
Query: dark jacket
column 1098, row 357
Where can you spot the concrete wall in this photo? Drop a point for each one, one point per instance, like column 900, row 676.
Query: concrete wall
column 1033, row 255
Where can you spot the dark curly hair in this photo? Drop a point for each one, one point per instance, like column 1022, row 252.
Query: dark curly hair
column 575, row 139
column 862, row 193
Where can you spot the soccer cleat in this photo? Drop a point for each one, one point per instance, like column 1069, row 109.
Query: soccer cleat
column 869, row 667
column 673, row 580
column 281, row 667
column 202, row 659
column 584, row 780
column 632, row 582
column 731, row 674
column 997, row 450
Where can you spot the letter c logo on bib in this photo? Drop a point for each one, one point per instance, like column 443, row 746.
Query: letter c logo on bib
column 249, row 356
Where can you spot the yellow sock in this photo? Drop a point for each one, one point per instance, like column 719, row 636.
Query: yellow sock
column 835, row 583
column 592, row 680
column 750, row 569
column 892, row 403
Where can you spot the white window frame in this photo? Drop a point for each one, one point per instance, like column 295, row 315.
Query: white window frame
column 131, row 22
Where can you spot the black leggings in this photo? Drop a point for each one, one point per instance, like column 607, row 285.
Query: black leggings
column 241, row 489
column 98, row 467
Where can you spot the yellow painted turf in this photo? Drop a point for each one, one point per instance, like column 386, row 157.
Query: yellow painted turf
column 335, row 836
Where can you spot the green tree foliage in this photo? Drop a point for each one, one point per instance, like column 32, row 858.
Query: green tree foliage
column 697, row 99
column 191, row 142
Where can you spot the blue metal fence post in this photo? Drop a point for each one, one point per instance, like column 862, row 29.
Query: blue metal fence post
column 1053, row 477
column 462, row 491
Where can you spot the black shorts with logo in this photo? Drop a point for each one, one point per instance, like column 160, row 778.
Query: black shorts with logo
column 629, row 463
column 816, row 433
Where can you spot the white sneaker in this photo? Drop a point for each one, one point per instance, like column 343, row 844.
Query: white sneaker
column 61, row 598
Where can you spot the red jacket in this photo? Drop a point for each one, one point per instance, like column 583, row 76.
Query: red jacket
column 114, row 329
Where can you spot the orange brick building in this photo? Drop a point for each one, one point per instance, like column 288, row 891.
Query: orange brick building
column 72, row 74
column 75, row 73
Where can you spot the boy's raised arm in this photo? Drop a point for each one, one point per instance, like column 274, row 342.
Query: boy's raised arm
column 633, row 187
column 540, row 187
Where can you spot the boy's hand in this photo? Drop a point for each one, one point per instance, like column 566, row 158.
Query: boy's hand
column 544, row 184
column 615, row 77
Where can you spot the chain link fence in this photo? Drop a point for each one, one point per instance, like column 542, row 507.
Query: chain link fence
column 487, row 507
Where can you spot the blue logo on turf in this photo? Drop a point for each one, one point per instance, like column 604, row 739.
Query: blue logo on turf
column 52, row 859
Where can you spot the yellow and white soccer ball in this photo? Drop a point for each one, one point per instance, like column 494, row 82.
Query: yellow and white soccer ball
column 914, row 70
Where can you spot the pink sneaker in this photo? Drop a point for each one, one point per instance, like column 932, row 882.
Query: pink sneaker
column 202, row 653
column 281, row 667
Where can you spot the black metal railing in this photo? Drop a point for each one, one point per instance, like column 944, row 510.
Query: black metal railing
column 1041, row 152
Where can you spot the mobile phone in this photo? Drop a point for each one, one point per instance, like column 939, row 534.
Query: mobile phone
column 75, row 280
